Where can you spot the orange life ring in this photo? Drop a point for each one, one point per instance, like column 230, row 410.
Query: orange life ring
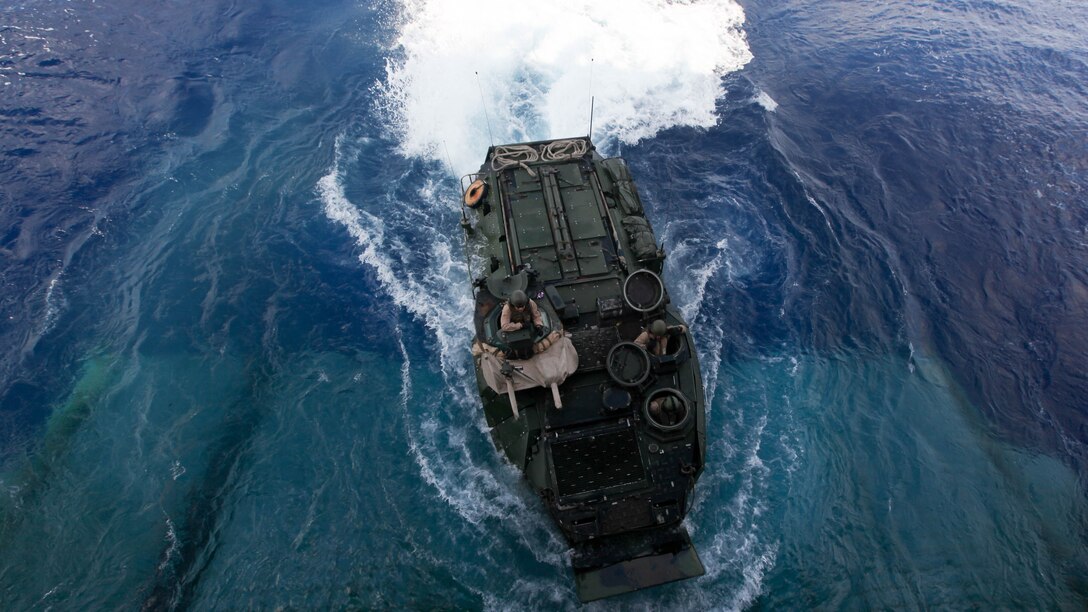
column 475, row 194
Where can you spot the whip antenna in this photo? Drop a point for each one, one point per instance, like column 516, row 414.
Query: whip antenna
column 590, row 135
column 484, row 105
column 449, row 160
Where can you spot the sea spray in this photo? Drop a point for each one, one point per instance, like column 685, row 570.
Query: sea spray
column 654, row 65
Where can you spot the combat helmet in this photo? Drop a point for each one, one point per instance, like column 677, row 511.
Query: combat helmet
column 671, row 404
column 518, row 299
column 658, row 328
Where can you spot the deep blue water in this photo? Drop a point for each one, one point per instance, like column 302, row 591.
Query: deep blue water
column 234, row 298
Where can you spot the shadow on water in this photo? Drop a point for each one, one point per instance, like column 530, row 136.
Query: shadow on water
column 194, row 102
column 194, row 542
column 27, row 478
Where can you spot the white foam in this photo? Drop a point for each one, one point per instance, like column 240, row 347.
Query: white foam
column 766, row 101
column 736, row 545
column 55, row 302
column 412, row 252
column 653, row 65
column 693, row 268
column 174, row 545
column 448, row 311
column 475, row 491
column 827, row 220
column 693, row 284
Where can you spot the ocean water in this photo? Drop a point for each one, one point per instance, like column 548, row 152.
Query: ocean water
column 235, row 305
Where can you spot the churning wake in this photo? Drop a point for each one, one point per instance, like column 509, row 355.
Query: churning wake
column 650, row 65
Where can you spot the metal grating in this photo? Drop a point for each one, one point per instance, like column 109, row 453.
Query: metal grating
column 593, row 346
column 597, row 462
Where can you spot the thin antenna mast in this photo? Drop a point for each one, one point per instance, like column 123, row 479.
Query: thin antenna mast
column 590, row 118
column 484, row 105
column 449, row 160
column 465, row 225
column 590, row 135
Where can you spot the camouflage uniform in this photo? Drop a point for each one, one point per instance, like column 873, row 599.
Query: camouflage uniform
column 513, row 319
column 656, row 344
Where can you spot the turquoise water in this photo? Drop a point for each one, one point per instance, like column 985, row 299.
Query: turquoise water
column 238, row 312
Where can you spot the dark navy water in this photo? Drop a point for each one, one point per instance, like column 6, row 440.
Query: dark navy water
column 235, row 317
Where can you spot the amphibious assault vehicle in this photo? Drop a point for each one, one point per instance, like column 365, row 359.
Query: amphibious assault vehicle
column 606, row 420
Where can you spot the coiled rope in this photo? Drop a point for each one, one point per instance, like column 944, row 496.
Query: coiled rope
column 507, row 156
column 514, row 155
column 562, row 150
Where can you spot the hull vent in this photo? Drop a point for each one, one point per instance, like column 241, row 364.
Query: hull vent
column 593, row 346
column 597, row 462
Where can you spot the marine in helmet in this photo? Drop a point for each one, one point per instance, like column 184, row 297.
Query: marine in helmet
column 518, row 312
column 655, row 338
column 667, row 410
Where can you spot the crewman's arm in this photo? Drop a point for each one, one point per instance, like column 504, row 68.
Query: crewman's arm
column 662, row 345
column 537, row 319
column 504, row 320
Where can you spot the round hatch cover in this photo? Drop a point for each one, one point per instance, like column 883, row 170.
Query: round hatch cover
column 628, row 364
column 643, row 291
column 615, row 398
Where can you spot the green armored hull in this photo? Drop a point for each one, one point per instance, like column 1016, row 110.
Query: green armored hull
column 607, row 423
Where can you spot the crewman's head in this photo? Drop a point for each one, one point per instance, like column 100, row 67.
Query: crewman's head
column 671, row 404
column 658, row 327
column 519, row 300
